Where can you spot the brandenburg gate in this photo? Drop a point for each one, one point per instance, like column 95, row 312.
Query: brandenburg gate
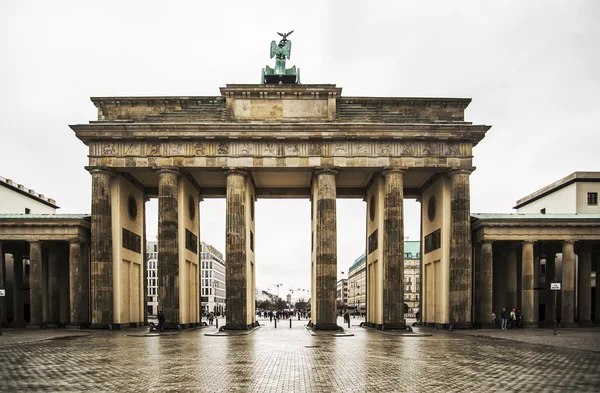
column 279, row 140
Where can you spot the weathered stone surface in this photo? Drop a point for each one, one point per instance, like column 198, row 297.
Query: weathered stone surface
column 53, row 288
column 393, row 248
column 2, row 285
column 528, row 311
column 460, row 295
column 35, row 283
column 487, row 283
column 168, row 252
column 235, row 252
column 326, row 249
column 567, row 292
column 75, row 292
column 584, row 286
column 101, row 274
column 511, row 277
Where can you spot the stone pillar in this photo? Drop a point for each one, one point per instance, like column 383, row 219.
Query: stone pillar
column 63, row 287
column 2, row 286
column 511, row 278
column 75, row 283
column 393, row 249
column 584, row 286
column 487, row 283
column 326, row 250
column 596, row 259
column 460, row 296
column 101, row 274
column 18, row 313
column 168, row 252
column 235, row 255
column 53, row 290
column 145, row 263
column 528, row 310
column 567, row 310
column 35, row 284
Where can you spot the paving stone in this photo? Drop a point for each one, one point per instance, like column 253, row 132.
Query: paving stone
column 291, row 360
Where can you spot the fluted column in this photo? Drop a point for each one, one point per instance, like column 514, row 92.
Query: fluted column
column 567, row 310
column 460, row 296
column 511, row 277
column 528, row 311
column 35, row 284
column 326, row 249
column 487, row 282
column 101, row 274
column 168, row 253
column 235, row 251
column 75, row 293
column 2, row 286
column 18, row 313
column 53, row 288
column 393, row 248
column 584, row 286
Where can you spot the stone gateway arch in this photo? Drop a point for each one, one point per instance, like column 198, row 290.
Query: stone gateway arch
column 279, row 141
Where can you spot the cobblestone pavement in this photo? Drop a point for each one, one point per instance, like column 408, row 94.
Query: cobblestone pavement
column 290, row 360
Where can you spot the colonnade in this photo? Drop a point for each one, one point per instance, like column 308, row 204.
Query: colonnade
column 518, row 274
column 57, row 281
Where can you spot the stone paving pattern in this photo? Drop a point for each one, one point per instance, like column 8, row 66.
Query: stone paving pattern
column 291, row 360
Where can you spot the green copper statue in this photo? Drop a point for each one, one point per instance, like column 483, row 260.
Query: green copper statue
column 280, row 74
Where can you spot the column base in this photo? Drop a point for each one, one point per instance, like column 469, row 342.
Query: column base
column 232, row 326
column 75, row 326
column 327, row 326
column 36, row 326
column 586, row 323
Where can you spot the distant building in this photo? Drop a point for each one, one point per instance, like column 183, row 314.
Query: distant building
column 288, row 299
column 16, row 198
column 152, row 277
column 357, row 279
column 212, row 284
column 342, row 294
column 574, row 194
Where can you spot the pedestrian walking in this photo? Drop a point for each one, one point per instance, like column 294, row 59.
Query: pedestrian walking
column 161, row 321
column 518, row 317
column 513, row 318
column 504, row 316
column 211, row 318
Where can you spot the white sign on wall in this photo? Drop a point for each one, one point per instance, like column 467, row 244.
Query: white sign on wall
column 555, row 286
column 2, row 292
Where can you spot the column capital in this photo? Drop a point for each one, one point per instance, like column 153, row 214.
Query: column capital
column 321, row 170
column 100, row 170
column 568, row 241
column 166, row 169
column 235, row 171
column 388, row 170
column 528, row 242
column 461, row 171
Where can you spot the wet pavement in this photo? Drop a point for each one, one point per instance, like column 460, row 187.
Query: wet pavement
column 291, row 360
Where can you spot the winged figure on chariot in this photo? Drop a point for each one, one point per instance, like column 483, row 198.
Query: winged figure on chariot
column 281, row 75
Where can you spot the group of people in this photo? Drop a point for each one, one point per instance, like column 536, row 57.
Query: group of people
column 509, row 319
column 283, row 314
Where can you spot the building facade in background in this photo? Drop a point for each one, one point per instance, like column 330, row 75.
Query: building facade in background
column 357, row 285
column 342, row 294
column 16, row 198
column 152, row 278
column 212, row 280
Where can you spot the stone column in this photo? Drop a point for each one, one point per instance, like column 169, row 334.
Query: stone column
column 35, row 284
column 53, row 290
column 567, row 310
column 145, row 259
column 487, row 283
column 18, row 313
column 235, row 246
column 584, row 286
column 460, row 296
column 326, row 250
column 528, row 311
column 168, row 253
column 2, row 286
column 75, row 293
column 101, row 271
column 63, row 287
column 596, row 259
column 393, row 249
column 511, row 278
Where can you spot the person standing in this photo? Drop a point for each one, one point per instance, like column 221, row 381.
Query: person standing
column 493, row 319
column 513, row 318
column 504, row 316
column 211, row 318
column 518, row 317
column 161, row 321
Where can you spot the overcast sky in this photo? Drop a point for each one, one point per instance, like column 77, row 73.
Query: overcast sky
column 532, row 69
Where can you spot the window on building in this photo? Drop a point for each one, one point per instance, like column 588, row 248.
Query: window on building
column 543, row 211
column 27, row 210
column 156, row 248
column 592, row 198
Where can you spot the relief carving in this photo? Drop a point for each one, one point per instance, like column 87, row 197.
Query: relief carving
column 385, row 149
column 451, row 149
column 154, row 149
column 314, row 149
column 407, row 149
column 132, row 149
column 362, row 149
column 176, row 149
column 108, row 149
column 245, row 148
column 223, row 148
column 291, row 149
column 339, row 150
column 200, row 149
column 270, row 149
column 429, row 149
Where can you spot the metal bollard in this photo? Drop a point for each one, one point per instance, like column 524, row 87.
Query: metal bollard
column 290, row 323
column 348, row 323
column 217, row 323
column 275, row 323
